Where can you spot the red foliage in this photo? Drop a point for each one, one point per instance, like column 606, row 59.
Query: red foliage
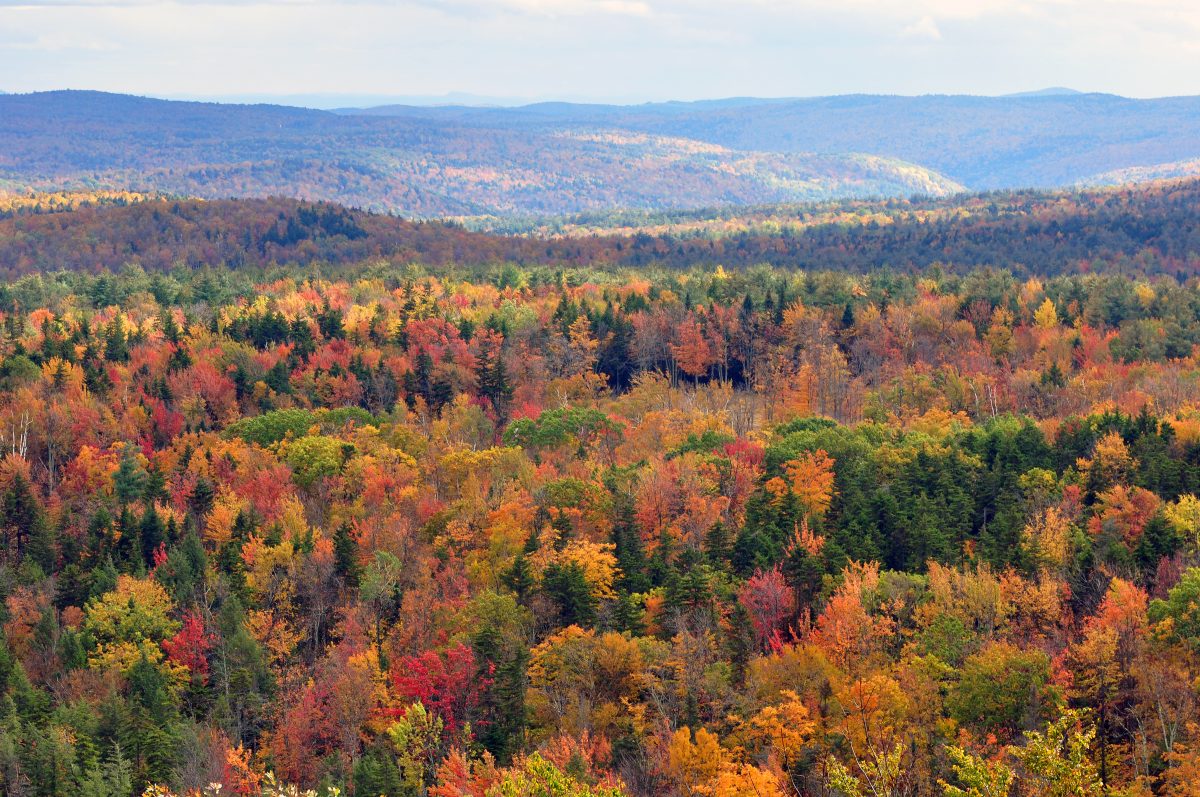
column 770, row 602
column 446, row 683
column 191, row 645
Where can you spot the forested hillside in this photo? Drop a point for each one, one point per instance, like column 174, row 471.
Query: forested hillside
column 981, row 142
column 1146, row 229
column 559, row 158
column 416, row 167
column 552, row 527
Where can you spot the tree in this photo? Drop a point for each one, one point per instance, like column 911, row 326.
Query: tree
column 314, row 457
column 770, row 602
column 692, row 353
column 130, row 478
column 21, row 515
column 417, row 738
column 1178, row 617
column 1057, row 761
column 567, row 585
column 1003, row 689
column 979, row 778
column 881, row 775
column 501, row 655
column 693, row 761
column 191, row 646
column 447, row 683
column 1182, row 776
column 537, row 777
column 345, row 555
column 810, row 477
column 109, row 777
column 782, row 729
column 129, row 624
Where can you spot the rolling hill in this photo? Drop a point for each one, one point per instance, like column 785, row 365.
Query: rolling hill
column 559, row 158
column 1038, row 140
column 415, row 166
column 1148, row 229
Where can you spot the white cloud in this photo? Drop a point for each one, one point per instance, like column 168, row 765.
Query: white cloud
column 649, row 49
column 553, row 8
column 924, row 28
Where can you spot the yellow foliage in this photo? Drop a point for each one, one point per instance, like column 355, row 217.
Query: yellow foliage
column 1111, row 462
column 974, row 597
column 219, row 526
column 1184, row 515
column 782, row 728
column 1046, row 316
column 129, row 622
column 694, row 763
column 1048, row 538
column 598, row 563
column 811, row 481
column 743, row 780
column 275, row 633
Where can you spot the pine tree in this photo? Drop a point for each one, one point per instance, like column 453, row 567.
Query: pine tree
column 519, row 578
column 116, row 343
column 628, row 616
column 345, row 556
column 20, row 515
column 152, row 534
column 129, row 482
column 568, row 587
column 494, row 383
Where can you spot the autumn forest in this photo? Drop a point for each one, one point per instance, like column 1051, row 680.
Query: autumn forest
column 859, row 500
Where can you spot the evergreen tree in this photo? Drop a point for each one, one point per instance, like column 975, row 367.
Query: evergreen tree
column 345, row 556
column 567, row 586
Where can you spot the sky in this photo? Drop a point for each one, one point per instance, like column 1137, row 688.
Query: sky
column 597, row 50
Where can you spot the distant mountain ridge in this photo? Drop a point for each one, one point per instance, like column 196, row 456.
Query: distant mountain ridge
column 414, row 165
column 564, row 158
column 1041, row 140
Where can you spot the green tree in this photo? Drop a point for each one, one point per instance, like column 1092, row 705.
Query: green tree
column 1001, row 689
column 1057, row 762
column 1178, row 617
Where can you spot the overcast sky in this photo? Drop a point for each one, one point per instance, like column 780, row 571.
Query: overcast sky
column 625, row 50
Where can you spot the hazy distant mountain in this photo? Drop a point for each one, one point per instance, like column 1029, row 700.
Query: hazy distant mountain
column 558, row 158
column 1048, row 139
column 336, row 101
column 1140, row 174
column 418, row 164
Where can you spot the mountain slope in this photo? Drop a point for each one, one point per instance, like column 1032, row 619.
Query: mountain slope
column 1139, row 174
column 1045, row 140
column 411, row 165
column 1152, row 228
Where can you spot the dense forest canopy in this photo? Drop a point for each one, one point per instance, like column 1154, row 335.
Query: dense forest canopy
column 1146, row 229
column 296, row 497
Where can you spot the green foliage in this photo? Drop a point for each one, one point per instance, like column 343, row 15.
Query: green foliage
column 416, row 738
column 1178, row 617
column 567, row 586
column 557, row 427
column 315, row 456
column 1002, row 689
column 1057, row 762
column 112, row 777
column 272, row 427
column 979, row 778
column 540, row 778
